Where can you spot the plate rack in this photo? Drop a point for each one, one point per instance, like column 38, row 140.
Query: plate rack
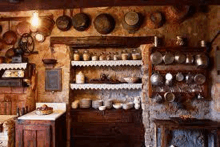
column 180, row 89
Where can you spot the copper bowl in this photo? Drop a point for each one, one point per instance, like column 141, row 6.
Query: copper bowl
column 49, row 61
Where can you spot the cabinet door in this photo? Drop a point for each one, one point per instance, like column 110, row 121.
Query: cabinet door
column 33, row 135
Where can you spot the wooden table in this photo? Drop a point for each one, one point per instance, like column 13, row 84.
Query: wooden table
column 169, row 125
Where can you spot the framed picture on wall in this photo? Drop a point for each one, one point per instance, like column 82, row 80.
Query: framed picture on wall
column 53, row 79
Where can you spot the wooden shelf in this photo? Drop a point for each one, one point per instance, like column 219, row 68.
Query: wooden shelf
column 90, row 42
column 106, row 86
column 178, row 68
column 108, row 63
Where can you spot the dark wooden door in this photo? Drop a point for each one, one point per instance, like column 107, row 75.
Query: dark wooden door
column 33, row 135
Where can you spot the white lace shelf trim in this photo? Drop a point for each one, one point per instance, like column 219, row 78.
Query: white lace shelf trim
column 105, row 86
column 108, row 63
column 13, row 66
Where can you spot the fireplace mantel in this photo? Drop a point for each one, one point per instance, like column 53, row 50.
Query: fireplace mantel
column 198, row 124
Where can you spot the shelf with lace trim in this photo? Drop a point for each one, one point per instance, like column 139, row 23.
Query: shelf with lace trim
column 75, row 86
column 108, row 63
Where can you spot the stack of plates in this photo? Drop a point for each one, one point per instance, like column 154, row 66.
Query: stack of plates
column 96, row 104
column 85, row 103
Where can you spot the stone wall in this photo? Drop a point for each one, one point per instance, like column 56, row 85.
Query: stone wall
column 200, row 26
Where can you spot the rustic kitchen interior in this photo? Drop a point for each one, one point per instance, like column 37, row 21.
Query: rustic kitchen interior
column 109, row 73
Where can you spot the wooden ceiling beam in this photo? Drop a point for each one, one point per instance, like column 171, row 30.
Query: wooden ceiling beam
column 25, row 5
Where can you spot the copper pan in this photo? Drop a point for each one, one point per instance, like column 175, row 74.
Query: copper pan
column 10, row 37
column 23, row 27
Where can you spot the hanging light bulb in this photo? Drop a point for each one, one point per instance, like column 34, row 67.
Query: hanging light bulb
column 35, row 22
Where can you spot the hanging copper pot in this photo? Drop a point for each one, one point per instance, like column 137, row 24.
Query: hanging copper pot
column 64, row 22
column 9, row 37
column 104, row 23
column 155, row 20
column 10, row 53
column 132, row 21
column 81, row 21
column 176, row 14
column 23, row 27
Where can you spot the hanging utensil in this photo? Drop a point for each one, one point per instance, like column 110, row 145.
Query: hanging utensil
column 156, row 20
column 47, row 24
column 40, row 37
column 199, row 79
column 9, row 37
column 26, row 43
column 179, row 77
column 158, row 98
column 180, row 58
column 176, row 14
column 156, row 58
column 10, row 53
column 169, row 97
column 168, row 58
column 189, row 78
column 132, row 21
column 23, row 27
column 169, row 78
column 104, row 23
column 81, row 21
column 189, row 59
column 156, row 79
column 201, row 60
column 64, row 22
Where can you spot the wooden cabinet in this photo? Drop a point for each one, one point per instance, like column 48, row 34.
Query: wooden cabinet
column 120, row 128
column 33, row 135
column 41, row 133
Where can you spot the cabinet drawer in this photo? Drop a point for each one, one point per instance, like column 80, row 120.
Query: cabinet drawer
column 107, row 129
column 91, row 115
column 105, row 142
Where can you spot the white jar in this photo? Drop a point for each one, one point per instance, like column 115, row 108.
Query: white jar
column 94, row 58
column 137, row 106
column 80, row 78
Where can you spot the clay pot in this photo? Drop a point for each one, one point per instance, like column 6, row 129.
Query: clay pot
column 176, row 14
column 10, row 53
column 155, row 20
column 23, row 27
column 132, row 21
column 104, row 23
column 81, row 21
column 10, row 37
